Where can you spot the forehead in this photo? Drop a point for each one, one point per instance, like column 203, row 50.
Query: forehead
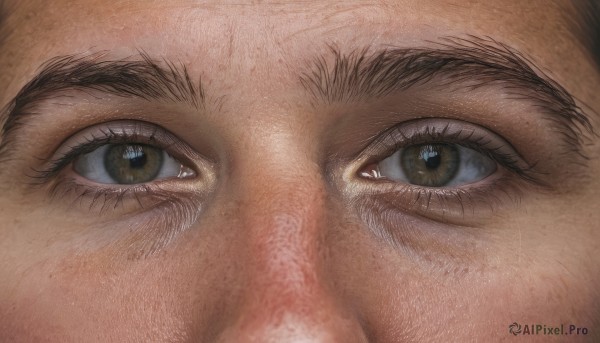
column 191, row 18
column 228, row 36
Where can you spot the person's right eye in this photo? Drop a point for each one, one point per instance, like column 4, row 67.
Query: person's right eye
column 108, row 164
column 129, row 163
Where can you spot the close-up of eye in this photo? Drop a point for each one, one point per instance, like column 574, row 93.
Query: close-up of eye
column 122, row 152
column 439, row 153
column 128, row 164
column 104, row 164
column 435, row 165
column 445, row 170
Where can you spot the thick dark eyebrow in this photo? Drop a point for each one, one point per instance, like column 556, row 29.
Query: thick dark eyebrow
column 339, row 77
column 585, row 23
column 2, row 12
column 138, row 76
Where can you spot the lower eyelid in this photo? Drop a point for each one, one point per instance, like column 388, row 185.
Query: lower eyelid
column 77, row 193
column 431, row 241
column 471, row 205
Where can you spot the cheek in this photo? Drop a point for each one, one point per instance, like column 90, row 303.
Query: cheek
column 192, row 287
column 76, row 295
column 71, row 294
column 409, row 303
column 401, row 298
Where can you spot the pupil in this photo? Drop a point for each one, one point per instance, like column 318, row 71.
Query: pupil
column 432, row 158
column 136, row 156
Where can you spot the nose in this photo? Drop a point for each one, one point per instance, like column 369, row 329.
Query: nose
column 288, row 294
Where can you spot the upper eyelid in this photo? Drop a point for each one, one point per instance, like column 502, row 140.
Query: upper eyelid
column 446, row 129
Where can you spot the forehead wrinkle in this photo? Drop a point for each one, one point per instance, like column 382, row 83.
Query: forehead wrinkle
column 224, row 8
column 336, row 13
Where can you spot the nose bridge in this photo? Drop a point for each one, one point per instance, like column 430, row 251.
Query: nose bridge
column 283, row 213
column 286, row 295
column 285, row 225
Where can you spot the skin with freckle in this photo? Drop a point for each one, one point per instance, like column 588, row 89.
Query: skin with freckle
column 274, row 238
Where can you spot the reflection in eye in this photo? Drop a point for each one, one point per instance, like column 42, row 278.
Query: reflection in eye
column 127, row 164
column 436, row 165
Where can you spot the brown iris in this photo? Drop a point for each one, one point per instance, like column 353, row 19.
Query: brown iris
column 133, row 163
column 430, row 165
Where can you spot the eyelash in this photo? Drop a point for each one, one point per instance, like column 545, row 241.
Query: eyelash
column 89, row 145
column 395, row 139
column 392, row 195
column 103, row 197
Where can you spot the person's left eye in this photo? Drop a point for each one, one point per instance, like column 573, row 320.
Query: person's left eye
column 439, row 168
column 127, row 164
column 435, row 165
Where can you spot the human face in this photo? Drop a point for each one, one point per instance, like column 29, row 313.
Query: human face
column 315, row 185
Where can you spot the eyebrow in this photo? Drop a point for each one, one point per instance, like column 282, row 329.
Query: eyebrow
column 585, row 23
column 353, row 76
column 139, row 76
column 3, row 16
column 339, row 77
